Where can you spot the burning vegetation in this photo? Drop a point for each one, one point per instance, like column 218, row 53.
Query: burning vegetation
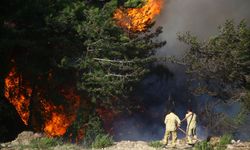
column 18, row 93
column 138, row 19
column 57, row 118
column 41, row 92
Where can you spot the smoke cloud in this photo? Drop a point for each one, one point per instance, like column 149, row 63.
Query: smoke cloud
column 201, row 17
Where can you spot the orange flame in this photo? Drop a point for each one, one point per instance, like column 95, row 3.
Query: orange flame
column 59, row 118
column 18, row 94
column 138, row 19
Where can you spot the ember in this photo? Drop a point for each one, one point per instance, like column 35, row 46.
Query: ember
column 138, row 19
column 18, row 94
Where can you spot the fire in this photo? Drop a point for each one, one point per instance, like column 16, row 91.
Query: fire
column 18, row 94
column 138, row 19
column 59, row 118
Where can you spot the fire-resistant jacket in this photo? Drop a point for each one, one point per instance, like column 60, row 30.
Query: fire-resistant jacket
column 172, row 121
column 191, row 120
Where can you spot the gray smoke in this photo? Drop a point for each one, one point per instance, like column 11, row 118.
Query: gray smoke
column 201, row 17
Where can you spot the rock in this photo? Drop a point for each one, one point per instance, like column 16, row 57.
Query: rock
column 14, row 142
column 23, row 138
column 230, row 146
column 3, row 145
column 38, row 135
column 233, row 141
column 214, row 140
column 239, row 146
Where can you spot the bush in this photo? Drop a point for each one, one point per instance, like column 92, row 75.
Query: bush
column 44, row 143
column 156, row 144
column 224, row 140
column 203, row 145
column 94, row 129
column 102, row 140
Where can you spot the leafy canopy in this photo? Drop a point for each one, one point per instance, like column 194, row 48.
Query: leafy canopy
column 112, row 59
column 220, row 66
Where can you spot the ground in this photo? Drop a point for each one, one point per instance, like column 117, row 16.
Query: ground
column 22, row 142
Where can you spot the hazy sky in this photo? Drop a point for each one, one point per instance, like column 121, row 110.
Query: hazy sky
column 201, row 17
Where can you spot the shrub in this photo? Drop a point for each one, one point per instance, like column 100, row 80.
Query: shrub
column 45, row 143
column 102, row 140
column 203, row 145
column 156, row 144
column 94, row 129
column 224, row 140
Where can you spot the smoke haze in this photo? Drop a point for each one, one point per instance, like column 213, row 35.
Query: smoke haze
column 200, row 17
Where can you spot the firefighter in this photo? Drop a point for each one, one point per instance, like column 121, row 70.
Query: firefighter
column 172, row 124
column 191, row 126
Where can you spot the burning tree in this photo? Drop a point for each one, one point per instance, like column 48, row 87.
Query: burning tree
column 53, row 50
column 138, row 19
column 113, row 59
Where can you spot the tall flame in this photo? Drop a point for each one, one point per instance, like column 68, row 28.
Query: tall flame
column 57, row 118
column 138, row 19
column 18, row 94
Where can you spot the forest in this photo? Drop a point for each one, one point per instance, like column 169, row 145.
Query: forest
column 70, row 68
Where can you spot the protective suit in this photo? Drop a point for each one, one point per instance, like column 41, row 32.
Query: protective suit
column 191, row 126
column 172, row 123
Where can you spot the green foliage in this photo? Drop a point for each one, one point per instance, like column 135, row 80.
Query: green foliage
column 134, row 3
column 220, row 65
column 246, row 101
column 79, row 36
column 94, row 128
column 112, row 60
column 45, row 143
column 224, row 140
column 102, row 141
column 228, row 123
column 80, row 123
column 203, row 145
column 156, row 144
column 94, row 135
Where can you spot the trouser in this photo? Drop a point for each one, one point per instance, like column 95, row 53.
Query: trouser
column 167, row 135
column 191, row 133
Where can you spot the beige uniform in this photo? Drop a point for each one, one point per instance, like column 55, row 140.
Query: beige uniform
column 191, row 126
column 172, row 122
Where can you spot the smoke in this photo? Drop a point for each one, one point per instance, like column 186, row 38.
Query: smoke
column 153, row 96
column 201, row 17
